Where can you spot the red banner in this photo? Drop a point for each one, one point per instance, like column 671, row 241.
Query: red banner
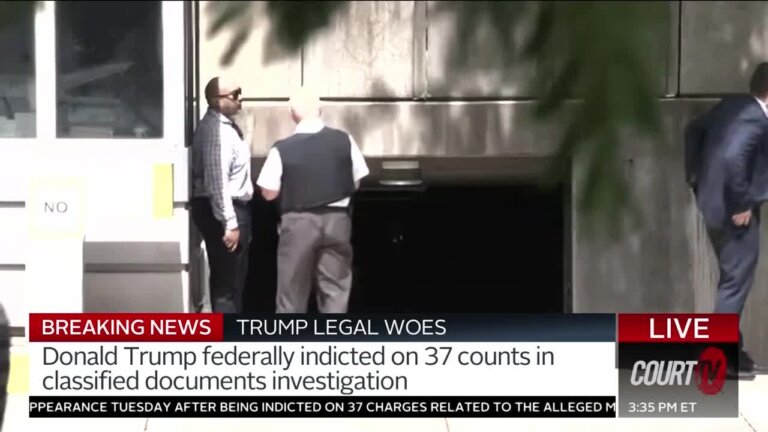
column 705, row 328
column 125, row 327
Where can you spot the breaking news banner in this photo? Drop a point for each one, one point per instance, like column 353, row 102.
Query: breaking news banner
column 675, row 365
column 213, row 365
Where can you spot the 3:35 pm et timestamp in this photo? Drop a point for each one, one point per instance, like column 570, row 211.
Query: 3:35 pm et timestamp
column 650, row 407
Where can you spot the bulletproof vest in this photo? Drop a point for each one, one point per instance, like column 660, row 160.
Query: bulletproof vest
column 317, row 169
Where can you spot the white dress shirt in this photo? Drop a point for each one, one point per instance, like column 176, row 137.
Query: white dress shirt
column 271, row 174
column 221, row 166
column 763, row 105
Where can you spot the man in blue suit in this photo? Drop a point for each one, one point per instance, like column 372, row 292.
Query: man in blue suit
column 726, row 164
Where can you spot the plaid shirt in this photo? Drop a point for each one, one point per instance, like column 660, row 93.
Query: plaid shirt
column 221, row 166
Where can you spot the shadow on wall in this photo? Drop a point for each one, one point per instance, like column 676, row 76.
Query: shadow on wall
column 456, row 129
column 417, row 129
column 241, row 18
column 366, row 42
column 534, row 49
column 473, row 52
column 244, row 37
column 496, row 129
column 666, row 251
column 722, row 42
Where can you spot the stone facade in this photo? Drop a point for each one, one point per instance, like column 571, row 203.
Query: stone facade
column 383, row 60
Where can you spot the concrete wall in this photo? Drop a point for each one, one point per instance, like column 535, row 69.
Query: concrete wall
column 261, row 69
column 368, row 51
column 391, row 51
column 721, row 43
column 452, row 129
column 666, row 264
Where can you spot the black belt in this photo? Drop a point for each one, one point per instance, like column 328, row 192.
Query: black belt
column 235, row 202
column 321, row 210
column 332, row 209
column 240, row 203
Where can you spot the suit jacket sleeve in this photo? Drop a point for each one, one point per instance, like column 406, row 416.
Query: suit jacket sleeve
column 694, row 143
column 739, row 161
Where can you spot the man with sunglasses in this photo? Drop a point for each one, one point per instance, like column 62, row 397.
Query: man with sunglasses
column 222, row 190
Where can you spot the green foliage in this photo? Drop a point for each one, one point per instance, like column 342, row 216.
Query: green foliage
column 484, row 25
column 607, row 54
column 597, row 68
column 11, row 10
column 611, row 55
column 225, row 13
column 292, row 23
column 597, row 72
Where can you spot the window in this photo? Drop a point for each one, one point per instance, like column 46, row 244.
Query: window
column 17, row 70
column 109, row 76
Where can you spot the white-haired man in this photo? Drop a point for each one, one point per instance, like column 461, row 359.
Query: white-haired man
column 314, row 172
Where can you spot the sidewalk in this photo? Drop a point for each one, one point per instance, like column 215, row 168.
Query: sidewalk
column 753, row 407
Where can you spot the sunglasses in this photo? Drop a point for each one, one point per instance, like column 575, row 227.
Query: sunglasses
column 232, row 95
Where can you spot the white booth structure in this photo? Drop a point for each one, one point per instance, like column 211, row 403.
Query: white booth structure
column 93, row 177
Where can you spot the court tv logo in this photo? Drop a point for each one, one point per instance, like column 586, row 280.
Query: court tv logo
column 708, row 372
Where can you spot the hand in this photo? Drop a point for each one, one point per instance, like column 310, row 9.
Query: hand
column 742, row 219
column 231, row 239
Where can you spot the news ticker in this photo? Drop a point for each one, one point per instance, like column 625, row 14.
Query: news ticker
column 371, row 406
column 214, row 365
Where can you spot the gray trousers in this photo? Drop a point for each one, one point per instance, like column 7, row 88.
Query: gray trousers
column 314, row 249
column 737, row 250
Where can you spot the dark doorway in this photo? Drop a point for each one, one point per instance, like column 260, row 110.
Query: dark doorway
column 444, row 248
column 458, row 248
